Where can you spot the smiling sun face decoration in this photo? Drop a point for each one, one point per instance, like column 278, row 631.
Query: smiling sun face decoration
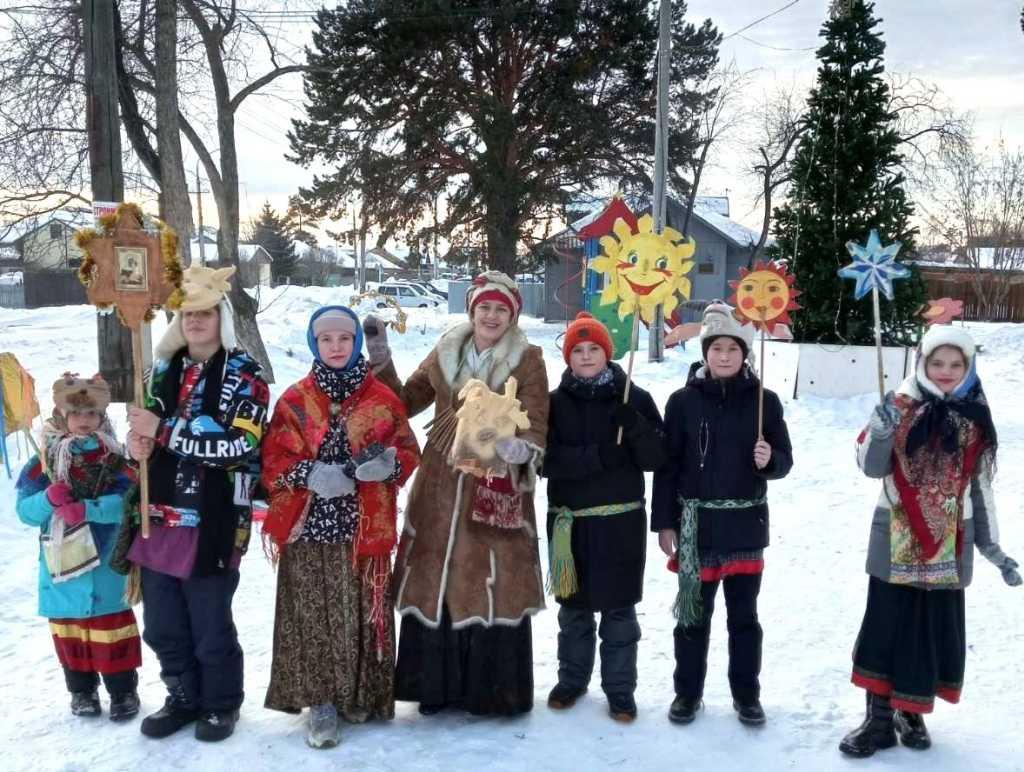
column 765, row 296
column 644, row 269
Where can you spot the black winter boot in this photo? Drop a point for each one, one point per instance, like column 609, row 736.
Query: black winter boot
column 564, row 696
column 216, row 725
column 912, row 731
column 684, row 709
column 875, row 734
column 85, row 703
column 178, row 712
column 124, row 705
column 622, row 707
column 749, row 713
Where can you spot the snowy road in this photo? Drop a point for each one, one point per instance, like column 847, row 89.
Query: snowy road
column 811, row 603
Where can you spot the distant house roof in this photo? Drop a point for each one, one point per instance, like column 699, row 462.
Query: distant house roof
column 712, row 211
column 12, row 233
column 386, row 259
column 246, row 252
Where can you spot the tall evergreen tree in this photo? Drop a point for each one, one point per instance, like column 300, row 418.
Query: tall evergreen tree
column 506, row 106
column 846, row 181
column 273, row 233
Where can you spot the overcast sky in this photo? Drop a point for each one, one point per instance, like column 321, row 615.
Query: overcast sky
column 972, row 49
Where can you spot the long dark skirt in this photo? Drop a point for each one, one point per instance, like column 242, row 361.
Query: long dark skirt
column 484, row 670
column 912, row 645
column 325, row 649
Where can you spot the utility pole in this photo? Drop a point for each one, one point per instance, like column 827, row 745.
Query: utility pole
column 103, row 130
column 656, row 339
column 199, row 211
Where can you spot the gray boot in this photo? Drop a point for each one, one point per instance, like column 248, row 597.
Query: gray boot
column 323, row 726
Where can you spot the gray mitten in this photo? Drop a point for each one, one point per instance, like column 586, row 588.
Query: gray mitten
column 1007, row 566
column 512, row 450
column 378, row 468
column 885, row 418
column 375, row 333
column 328, row 481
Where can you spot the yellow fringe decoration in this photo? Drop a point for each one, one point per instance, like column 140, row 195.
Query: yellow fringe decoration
column 133, row 587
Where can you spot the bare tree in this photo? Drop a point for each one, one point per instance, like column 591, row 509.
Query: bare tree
column 781, row 124
column 722, row 115
column 981, row 215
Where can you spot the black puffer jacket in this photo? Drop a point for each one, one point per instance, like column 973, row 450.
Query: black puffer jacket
column 585, row 468
column 712, row 427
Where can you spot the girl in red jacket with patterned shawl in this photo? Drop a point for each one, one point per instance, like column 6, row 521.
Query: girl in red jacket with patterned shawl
column 338, row 449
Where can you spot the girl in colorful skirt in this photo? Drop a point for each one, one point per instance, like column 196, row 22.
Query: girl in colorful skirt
column 338, row 449
column 711, row 512
column 76, row 500
column 933, row 445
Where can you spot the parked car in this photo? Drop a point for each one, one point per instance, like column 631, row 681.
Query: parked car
column 408, row 295
column 430, row 289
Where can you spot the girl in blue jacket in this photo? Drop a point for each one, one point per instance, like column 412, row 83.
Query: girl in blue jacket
column 75, row 496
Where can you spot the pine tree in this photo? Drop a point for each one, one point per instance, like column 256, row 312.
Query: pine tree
column 847, row 179
column 274, row 234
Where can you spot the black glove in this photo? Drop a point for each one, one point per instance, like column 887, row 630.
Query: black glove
column 614, row 456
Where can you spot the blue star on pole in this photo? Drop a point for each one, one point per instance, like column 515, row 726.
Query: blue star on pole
column 874, row 266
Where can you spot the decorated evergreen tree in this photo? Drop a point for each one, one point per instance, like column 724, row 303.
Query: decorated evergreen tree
column 847, row 179
column 273, row 233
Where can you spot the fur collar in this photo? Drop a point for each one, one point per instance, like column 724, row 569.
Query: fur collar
column 505, row 358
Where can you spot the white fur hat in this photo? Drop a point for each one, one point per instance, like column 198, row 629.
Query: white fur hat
column 720, row 320
column 947, row 335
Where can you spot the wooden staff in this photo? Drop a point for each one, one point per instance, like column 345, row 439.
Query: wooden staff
column 878, row 343
column 760, row 385
column 629, row 370
column 140, row 402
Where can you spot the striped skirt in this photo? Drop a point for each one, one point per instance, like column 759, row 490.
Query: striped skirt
column 105, row 644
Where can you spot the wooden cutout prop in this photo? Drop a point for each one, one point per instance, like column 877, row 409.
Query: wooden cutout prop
column 484, row 418
column 133, row 271
column 942, row 311
column 18, row 406
column 764, row 297
column 875, row 269
column 398, row 324
column 644, row 270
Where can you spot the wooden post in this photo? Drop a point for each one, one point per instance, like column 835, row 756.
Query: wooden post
column 760, row 385
column 633, row 341
column 878, row 343
column 113, row 341
column 140, row 402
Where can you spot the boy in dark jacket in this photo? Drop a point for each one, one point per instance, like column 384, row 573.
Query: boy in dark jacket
column 710, row 509
column 596, row 521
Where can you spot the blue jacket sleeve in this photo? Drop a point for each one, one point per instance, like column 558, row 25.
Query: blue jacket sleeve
column 107, row 509
column 34, row 508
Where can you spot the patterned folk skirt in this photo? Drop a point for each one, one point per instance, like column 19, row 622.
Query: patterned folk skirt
column 325, row 648
column 104, row 644
column 912, row 645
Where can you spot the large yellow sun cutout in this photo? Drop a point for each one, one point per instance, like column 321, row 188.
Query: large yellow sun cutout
column 644, row 269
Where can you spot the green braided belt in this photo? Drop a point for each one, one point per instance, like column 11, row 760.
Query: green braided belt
column 562, row 580
column 688, row 608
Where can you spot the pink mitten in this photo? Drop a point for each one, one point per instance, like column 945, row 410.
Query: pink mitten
column 72, row 514
column 59, row 494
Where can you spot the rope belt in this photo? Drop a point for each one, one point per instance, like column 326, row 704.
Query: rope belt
column 688, row 608
column 562, row 580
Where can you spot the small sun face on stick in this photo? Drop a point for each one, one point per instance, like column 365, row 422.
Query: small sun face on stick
column 644, row 269
column 765, row 296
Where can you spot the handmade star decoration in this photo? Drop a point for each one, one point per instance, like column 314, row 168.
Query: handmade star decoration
column 874, row 266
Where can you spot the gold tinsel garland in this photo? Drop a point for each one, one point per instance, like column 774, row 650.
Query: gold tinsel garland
column 168, row 251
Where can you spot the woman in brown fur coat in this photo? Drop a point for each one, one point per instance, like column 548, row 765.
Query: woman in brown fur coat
column 467, row 577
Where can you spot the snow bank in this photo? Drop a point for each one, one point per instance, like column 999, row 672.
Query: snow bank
column 811, row 604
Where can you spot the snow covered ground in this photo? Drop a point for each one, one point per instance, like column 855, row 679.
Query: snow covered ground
column 811, row 605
